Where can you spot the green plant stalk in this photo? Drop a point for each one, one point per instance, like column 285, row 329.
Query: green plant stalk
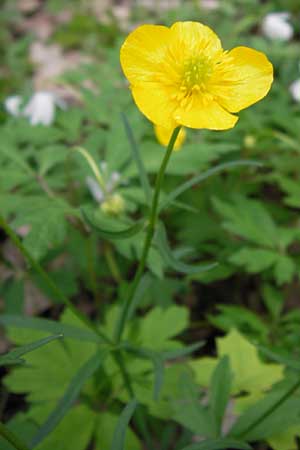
column 10, row 437
column 54, row 288
column 149, row 236
column 139, row 415
column 273, row 408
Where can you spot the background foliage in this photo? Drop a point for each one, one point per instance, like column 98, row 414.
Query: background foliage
column 245, row 310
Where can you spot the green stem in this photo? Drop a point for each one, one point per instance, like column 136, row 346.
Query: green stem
column 53, row 287
column 10, row 437
column 272, row 408
column 149, row 236
column 139, row 415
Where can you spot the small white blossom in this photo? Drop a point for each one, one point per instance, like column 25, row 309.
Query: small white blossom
column 295, row 90
column 41, row 108
column 12, row 105
column 275, row 26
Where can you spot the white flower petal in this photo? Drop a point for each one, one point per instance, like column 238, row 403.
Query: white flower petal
column 95, row 189
column 295, row 90
column 12, row 105
column 41, row 108
column 275, row 26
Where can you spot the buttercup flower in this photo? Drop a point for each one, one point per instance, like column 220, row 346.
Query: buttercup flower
column 275, row 26
column 164, row 135
column 182, row 76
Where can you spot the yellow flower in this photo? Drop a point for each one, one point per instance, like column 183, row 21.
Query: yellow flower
column 164, row 134
column 182, row 76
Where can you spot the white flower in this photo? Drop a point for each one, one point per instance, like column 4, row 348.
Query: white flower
column 41, row 108
column 295, row 90
column 275, row 26
column 12, row 105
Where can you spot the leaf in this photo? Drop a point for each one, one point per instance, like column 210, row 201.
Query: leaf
column 158, row 359
column 76, row 429
column 48, row 226
column 218, row 444
column 254, row 260
column 160, row 325
column 13, row 357
column 203, row 176
column 288, row 362
column 123, row 233
column 250, row 375
column 137, row 158
column 220, row 388
column 179, row 353
column 248, row 219
column 162, row 243
column 190, row 411
column 231, row 316
column 104, row 432
column 273, row 414
column 118, row 442
column 49, row 326
column 52, row 366
column 286, row 440
column 69, row 397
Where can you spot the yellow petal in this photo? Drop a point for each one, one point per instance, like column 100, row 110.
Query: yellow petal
column 194, row 37
column 143, row 52
column 164, row 134
column 243, row 77
column 154, row 100
column 203, row 112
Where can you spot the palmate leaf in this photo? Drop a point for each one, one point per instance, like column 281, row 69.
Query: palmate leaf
column 250, row 374
column 161, row 242
column 52, row 366
column 71, row 394
column 14, row 357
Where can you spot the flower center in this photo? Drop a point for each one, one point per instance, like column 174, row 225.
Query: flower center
column 196, row 71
